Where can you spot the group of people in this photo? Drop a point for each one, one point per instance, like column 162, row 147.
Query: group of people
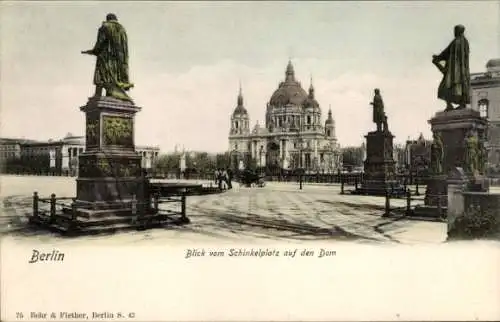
column 223, row 178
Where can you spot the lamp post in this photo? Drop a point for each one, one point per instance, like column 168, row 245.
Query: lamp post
column 231, row 163
column 261, row 152
column 301, row 141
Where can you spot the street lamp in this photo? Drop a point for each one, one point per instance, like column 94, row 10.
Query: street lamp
column 261, row 152
column 231, row 163
column 301, row 142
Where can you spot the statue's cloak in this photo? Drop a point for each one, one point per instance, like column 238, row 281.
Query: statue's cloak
column 111, row 50
column 455, row 85
column 378, row 109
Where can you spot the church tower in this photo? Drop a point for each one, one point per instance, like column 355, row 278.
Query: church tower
column 239, row 144
column 330, row 127
column 240, row 119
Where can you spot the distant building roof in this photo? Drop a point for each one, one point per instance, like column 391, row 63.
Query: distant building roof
column 14, row 141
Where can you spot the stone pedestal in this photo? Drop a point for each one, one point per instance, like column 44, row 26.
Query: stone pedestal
column 379, row 166
column 453, row 127
column 436, row 191
column 109, row 174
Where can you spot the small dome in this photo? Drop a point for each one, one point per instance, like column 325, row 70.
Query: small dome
column 311, row 101
column 78, row 140
column 329, row 120
column 493, row 63
column 290, row 91
column 240, row 110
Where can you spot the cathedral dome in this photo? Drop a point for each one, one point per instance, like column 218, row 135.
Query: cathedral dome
column 289, row 91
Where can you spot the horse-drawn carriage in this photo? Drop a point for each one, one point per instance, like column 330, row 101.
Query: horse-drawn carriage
column 251, row 179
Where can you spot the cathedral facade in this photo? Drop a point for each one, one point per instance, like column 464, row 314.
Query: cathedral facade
column 293, row 136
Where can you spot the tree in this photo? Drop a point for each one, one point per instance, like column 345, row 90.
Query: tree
column 167, row 163
column 222, row 160
column 352, row 157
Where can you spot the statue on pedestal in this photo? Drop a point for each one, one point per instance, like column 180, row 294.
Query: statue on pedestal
column 379, row 116
column 111, row 51
column 437, row 154
column 471, row 157
column 455, row 85
column 483, row 157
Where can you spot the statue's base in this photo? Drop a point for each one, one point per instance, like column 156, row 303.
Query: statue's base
column 454, row 126
column 478, row 183
column 109, row 193
column 429, row 212
column 379, row 166
column 91, row 222
column 436, row 191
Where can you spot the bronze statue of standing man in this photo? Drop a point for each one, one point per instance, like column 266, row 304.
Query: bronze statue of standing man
column 471, row 157
column 111, row 51
column 379, row 116
column 437, row 154
column 455, row 85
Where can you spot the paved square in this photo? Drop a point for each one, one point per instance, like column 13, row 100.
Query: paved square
column 278, row 211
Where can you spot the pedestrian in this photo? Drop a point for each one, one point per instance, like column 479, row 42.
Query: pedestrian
column 219, row 179
column 224, row 179
column 229, row 179
column 216, row 176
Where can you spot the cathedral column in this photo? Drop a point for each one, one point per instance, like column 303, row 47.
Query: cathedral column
column 316, row 161
column 287, row 156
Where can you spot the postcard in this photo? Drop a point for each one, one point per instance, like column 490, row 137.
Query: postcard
column 250, row 161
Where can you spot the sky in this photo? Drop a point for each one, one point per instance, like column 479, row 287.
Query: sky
column 188, row 58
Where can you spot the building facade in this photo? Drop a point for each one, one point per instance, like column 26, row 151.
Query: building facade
column 417, row 155
column 59, row 157
column 293, row 135
column 486, row 99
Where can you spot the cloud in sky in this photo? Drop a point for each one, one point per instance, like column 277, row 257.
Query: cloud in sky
column 187, row 79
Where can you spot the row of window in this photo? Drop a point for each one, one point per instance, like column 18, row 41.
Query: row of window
column 484, row 105
column 6, row 155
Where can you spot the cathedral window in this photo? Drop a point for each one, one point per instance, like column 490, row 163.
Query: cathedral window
column 236, row 124
column 483, row 107
column 309, row 119
column 328, row 132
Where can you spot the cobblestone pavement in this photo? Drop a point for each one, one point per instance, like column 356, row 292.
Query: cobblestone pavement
column 278, row 211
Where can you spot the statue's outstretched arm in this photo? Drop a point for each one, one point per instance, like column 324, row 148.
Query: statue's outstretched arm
column 99, row 45
column 444, row 54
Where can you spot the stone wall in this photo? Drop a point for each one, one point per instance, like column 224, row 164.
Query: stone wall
column 473, row 215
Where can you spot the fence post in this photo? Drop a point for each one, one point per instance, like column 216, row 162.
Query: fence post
column 183, row 206
column 155, row 202
column 440, row 210
column 35, row 204
column 52, row 207
column 73, row 212
column 387, row 203
column 408, row 201
column 417, row 193
column 134, row 205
